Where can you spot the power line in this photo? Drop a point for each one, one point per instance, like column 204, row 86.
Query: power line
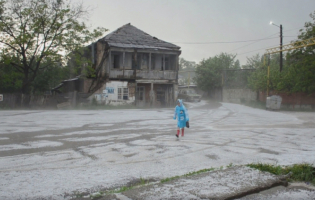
column 252, row 43
column 256, row 50
column 266, row 37
column 293, row 29
column 222, row 42
column 242, row 41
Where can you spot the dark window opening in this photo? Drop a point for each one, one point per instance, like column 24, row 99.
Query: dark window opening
column 145, row 61
column 139, row 58
column 136, row 61
column 116, row 61
column 152, row 62
column 140, row 92
column 165, row 63
column 142, row 61
column 160, row 96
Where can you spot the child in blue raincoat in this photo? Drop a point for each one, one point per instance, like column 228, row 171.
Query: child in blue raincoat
column 182, row 116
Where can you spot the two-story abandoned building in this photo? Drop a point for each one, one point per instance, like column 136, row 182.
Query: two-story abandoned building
column 133, row 67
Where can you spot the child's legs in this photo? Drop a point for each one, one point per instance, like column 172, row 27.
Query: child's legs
column 178, row 130
column 180, row 125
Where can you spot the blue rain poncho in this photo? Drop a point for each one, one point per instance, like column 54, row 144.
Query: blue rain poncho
column 181, row 114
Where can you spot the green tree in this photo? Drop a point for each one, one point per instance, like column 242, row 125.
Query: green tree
column 254, row 62
column 298, row 74
column 49, row 77
column 258, row 78
column 209, row 71
column 186, row 65
column 301, row 63
column 37, row 30
column 10, row 79
column 186, row 71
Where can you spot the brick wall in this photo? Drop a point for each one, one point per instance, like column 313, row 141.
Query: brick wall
column 295, row 99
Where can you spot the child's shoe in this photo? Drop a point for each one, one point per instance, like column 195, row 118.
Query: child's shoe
column 177, row 133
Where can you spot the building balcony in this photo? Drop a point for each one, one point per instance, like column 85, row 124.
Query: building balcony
column 142, row 74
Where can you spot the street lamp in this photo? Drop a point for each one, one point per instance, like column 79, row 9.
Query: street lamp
column 271, row 23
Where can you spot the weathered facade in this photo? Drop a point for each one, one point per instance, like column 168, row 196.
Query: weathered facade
column 135, row 68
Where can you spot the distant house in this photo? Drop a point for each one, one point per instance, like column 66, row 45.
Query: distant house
column 133, row 67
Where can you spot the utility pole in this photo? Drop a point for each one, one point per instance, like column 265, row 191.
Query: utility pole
column 281, row 58
column 287, row 47
column 281, row 36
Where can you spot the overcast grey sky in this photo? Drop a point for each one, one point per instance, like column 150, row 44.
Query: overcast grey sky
column 205, row 28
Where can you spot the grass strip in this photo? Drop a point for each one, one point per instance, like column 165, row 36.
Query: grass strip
column 195, row 173
column 191, row 174
column 188, row 174
column 100, row 194
column 298, row 172
column 145, row 182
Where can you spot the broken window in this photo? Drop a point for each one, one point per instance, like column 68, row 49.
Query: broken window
column 123, row 93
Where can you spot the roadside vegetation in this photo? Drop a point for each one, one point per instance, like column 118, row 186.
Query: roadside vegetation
column 188, row 174
column 31, row 64
column 37, row 40
column 296, row 173
column 297, row 75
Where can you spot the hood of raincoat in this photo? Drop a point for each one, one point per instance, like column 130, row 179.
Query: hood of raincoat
column 180, row 102
column 178, row 109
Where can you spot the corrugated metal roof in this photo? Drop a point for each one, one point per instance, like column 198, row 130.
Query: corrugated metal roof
column 129, row 36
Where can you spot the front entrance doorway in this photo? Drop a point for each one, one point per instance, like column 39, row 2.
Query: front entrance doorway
column 140, row 96
column 160, row 96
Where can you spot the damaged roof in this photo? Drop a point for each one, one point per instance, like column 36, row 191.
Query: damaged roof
column 129, row 36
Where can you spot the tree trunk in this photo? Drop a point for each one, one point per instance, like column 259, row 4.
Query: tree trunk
column 25, row 96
